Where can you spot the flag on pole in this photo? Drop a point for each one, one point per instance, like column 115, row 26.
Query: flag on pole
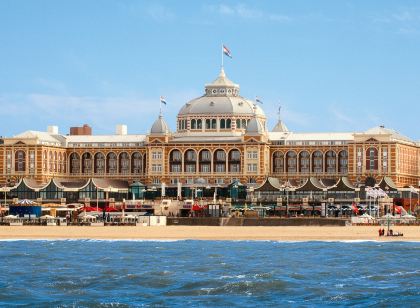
column 258, row 100
column 226, row 51
column 162, row 100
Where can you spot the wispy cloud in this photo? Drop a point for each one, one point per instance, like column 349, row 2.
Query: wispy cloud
column 245, row 12
column 404, row 21
column 160, row 12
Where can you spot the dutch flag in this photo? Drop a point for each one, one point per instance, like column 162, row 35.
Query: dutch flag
column 162, row 100
column 226, row 51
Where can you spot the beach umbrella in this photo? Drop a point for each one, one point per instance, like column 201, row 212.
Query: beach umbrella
column 90, row 209
column 10, row 217
column 26, row 202
column 47, row 217
column 111, row 209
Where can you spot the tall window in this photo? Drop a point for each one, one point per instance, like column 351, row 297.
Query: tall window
column 190, row 160
column 330, row 161
column 111, row 162
column 175, row 161
column 291, row 162
column 136, row 163
column 87, row 163
column 222, row 124
column 278, row 162
column 372, row 159
column 74, row 163
column 219, row 161
column 342, row 161
column 20, row 161
column 124, row 163
column 317, row 165
column 304, row 162
column 99, row 164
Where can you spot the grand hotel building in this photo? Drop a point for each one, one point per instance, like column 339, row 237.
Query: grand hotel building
column 220, row 137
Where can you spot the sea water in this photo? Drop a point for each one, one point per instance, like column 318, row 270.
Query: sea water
column 90, row 273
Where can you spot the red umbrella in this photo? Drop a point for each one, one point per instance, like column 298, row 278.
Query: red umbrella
column 89, row 209
column 111, row 209
column 196, row 207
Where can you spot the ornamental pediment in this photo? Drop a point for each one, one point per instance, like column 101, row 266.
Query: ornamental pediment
column 20, row 143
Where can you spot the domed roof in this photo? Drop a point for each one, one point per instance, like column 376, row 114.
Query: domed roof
column 280, row 127
column 221, row 97
column 160, row 126
column 255, row 127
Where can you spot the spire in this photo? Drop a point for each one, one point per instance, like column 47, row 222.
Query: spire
column 280, row 126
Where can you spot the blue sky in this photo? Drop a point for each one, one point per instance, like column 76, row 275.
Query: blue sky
column 332, row 65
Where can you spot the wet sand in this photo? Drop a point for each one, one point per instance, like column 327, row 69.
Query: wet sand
column 301, row 233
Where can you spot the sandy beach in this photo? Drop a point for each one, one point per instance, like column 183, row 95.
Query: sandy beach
column 301, row 233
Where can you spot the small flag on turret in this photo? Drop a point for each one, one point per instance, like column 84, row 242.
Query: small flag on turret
column 226, row 51
column 162, row 100
column 258, row 100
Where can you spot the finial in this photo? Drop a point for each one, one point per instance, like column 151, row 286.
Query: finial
column 279, row 112
column 222, row 72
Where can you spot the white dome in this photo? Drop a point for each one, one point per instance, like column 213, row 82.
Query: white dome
column 221, row 97
column 255, row 127
column 160, row 126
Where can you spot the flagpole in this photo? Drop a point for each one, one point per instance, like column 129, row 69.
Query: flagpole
column 222, row 55
column 160, row 107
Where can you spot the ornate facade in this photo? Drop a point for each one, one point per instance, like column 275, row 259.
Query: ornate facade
column 220, row 137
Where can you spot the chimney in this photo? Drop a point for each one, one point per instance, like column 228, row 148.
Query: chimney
column 52, row 129
column 121, row 129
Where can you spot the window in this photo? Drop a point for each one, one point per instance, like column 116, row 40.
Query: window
column 252, row 167
column 238, row 123
column 156, row 168
column 252, row 155
column 156, row 181
column 193, row 124
column 205, row 168
column 190, row 168
column 220, row 167
column 174, row 181
column 228, row 123
column 156, row 155
column 190, row 181
column 176, row 168
column 222, row 124
column 199, row 126
column 208, row 124
column 220, row 181
column 20, row 161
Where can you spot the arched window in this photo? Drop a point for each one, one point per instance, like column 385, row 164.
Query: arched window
column 317, row 165
column 50, row 162
column 291, row 164
column 190, row 161
column 60, row 162
column 228, row 123
column 20, row 161
column 199, row 125
column 343, row 161
column 175, row 161
column 136, row 163
column 86, row 163
column 213, row 124
column 278, row 162
column 372, row 159
column 193, row 124
column 111, row 163
column 219, row 161
column 124, row 163
column 244, row 123
column 238, row 123
column 304, row 162
column 99, row 163
column 234, row 161
column 222, row 124
column 205, row 161
column 330, row 162
column 208, row 124
column 55, row 162
column 74, row 163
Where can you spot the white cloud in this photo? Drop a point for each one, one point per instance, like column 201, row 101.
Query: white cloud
column 245, row 12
